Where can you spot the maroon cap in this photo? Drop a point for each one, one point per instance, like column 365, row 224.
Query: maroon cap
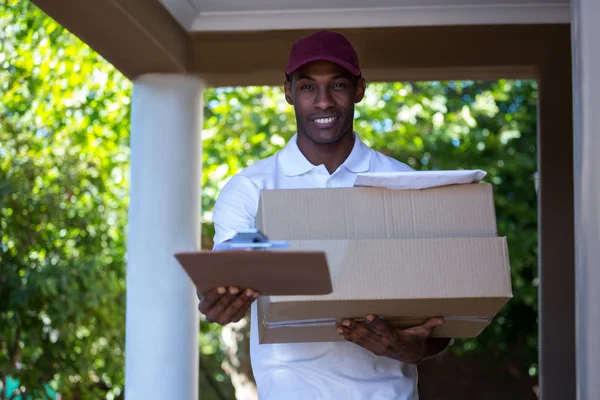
column 323, row 46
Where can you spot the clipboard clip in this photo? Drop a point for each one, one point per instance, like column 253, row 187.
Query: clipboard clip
column 251, row 239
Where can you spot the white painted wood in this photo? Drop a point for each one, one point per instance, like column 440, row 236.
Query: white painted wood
column 238, row 15
column 381, row 17
column 164, row 217
column 586, row 110
column 270, row 5
column 184, row 11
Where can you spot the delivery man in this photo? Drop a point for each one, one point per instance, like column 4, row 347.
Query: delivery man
column 323, row 82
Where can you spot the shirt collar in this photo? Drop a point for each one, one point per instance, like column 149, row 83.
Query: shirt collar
column 294, row 163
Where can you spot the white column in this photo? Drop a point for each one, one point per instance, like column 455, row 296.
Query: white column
column 164, row 217
column 586, row 98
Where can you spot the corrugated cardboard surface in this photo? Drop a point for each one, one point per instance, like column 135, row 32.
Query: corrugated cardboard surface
column 377, row 213
column 464, row 279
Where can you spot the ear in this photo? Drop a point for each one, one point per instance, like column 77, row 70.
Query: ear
column 361, row 86
column 287, row 87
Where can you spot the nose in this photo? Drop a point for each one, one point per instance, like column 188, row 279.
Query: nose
column 324, row 100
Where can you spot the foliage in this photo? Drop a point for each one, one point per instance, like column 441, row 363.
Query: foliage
column 64, row 121
column 63, row 160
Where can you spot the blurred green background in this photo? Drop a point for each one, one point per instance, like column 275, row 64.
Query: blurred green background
column 64, row 137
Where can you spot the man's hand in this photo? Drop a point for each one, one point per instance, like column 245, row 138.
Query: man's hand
column 409, row 346
column 225, row 305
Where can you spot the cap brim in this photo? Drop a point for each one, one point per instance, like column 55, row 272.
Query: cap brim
column 349, row 67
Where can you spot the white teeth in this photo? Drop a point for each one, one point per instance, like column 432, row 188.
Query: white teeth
column 324, row 120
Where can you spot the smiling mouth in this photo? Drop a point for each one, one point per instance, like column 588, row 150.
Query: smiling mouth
column 327, row 121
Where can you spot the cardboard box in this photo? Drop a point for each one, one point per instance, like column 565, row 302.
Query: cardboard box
column 405, row 255
column 465, row 280
column 377, row 213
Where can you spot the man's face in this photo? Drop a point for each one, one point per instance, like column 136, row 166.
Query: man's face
column 323, row 95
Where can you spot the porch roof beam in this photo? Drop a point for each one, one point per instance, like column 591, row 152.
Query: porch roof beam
column 386, row 54
column 136, row 36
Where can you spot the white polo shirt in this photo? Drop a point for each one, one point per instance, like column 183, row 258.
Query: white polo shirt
column 340, row 370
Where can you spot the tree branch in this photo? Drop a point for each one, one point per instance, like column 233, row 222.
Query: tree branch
column 211, row 381
column 14, row 351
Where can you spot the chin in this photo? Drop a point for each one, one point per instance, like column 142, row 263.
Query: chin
column 324, row 138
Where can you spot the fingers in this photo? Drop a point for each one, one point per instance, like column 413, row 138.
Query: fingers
column 225, row 305
column 408, row 345
column 426, row 328
column 433, row 322
column 221, row 305
column 238, row 308
column 358, row 333
column 241, row 313
column 210, row 298
column 377, row 325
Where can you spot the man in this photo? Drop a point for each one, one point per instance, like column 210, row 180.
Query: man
column 323, row 83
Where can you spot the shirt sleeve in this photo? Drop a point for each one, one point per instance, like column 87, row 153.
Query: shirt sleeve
column 235, row 208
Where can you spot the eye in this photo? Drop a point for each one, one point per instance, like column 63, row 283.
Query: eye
column 339, row 85
column 306, row 87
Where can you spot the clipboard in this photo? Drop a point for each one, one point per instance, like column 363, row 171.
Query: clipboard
column 250, row 260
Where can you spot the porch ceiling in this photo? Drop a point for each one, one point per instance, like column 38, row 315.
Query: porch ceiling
column 219, row 40
column 233, row 15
